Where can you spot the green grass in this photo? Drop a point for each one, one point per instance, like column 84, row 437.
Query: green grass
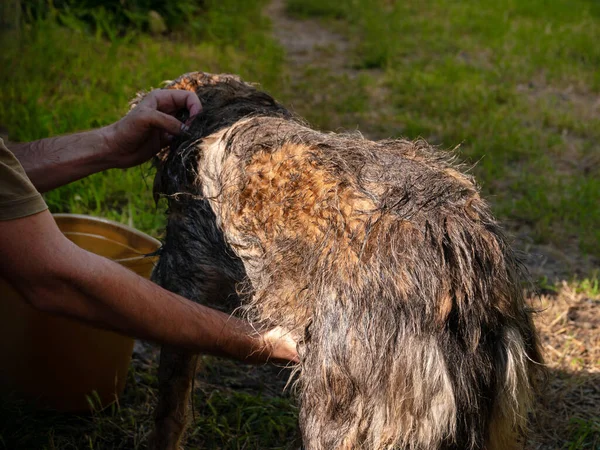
column 62, row 79
column 112, row 18
column 233, row 420
column 223, row 418
column 585, row 434
column 589, row 286
column 515, row 83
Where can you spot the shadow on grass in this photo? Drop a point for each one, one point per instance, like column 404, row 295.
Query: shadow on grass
column 235, row 407
column 567, row 412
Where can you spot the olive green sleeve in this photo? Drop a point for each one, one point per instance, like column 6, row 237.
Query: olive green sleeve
column 18, row 197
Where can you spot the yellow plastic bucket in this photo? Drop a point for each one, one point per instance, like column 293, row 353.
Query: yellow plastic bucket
column 58, row 362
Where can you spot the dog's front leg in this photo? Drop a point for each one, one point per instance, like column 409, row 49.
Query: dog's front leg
column 195, row 263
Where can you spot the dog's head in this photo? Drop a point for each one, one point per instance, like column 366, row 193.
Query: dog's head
column 226, row 99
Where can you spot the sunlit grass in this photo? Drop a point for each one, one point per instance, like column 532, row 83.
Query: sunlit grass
column 515, row 83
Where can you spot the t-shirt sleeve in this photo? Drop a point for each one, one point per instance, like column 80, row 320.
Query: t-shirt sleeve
column 18, row 196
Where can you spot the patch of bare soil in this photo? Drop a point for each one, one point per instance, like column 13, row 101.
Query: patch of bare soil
column 579, row 153
column 553, row 263
column 323, row 60
column 307, row 42
column 572, row 98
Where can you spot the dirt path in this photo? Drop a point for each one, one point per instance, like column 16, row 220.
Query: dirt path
column 307, row 42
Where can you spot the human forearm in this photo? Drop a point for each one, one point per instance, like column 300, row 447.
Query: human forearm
column 53, row 162
column 105, row 294
column 65, row 279
column 108, row 294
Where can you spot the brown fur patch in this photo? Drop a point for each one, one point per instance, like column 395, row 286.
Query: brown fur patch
column 444, row 309
column 206, row 79
column 289, row 194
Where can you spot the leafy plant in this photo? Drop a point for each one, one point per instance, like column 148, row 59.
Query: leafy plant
column 113, row 18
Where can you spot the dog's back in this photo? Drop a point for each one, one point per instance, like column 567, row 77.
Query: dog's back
column 381, row 254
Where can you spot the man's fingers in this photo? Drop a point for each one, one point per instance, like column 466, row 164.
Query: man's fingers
column 171, row 100
column 165, row 139
column 193, row 104
column 162, row 121
column 283, row 344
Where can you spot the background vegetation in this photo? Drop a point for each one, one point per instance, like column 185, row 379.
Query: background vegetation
column 117, row 17
column 514, row 83
column 59, row 79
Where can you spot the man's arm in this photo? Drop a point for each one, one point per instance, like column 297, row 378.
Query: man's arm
column 53, row 162
column 64, row 279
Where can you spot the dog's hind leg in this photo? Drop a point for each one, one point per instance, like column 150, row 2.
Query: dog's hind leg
column 195, row 263
column 175, row 374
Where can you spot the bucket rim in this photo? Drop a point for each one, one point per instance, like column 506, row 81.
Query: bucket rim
column 113, row 223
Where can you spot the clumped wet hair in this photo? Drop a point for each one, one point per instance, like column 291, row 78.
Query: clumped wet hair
column 382, row 256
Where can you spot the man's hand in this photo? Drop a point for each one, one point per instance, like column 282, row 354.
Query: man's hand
column 280, row 345
column 54, row 162
column 146, row 129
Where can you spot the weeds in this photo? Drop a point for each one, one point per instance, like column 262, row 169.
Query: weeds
column 586, row 434
column 113, row 18
column 232, row 420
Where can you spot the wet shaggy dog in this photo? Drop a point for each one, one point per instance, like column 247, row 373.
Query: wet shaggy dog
column 381, row 255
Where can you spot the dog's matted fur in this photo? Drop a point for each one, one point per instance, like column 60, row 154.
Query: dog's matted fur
column 381, row 255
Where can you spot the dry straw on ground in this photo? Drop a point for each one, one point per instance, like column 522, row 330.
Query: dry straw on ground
column 569, row 327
